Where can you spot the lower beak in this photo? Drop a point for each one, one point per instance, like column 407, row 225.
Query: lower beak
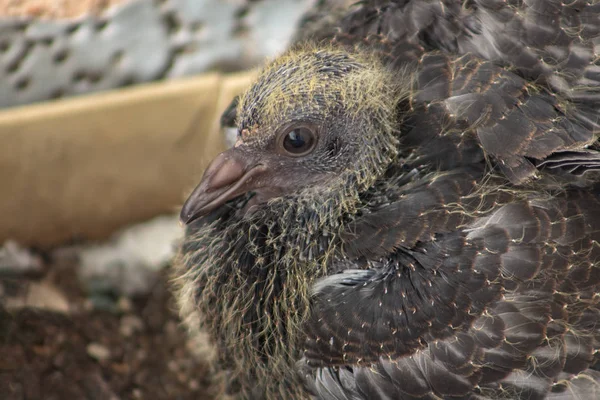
column 227, row 177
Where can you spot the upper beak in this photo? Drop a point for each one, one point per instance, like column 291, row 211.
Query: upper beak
column 228, row 176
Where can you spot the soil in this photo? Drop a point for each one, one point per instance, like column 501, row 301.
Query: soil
column 54, row 9
column 140, row 351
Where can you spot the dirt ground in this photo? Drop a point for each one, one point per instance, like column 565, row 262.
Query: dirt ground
column 139, row 351
column 54, row 8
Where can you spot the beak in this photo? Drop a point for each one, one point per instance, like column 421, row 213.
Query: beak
column 228, row 176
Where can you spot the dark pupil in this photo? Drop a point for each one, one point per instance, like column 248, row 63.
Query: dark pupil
column 298, row 140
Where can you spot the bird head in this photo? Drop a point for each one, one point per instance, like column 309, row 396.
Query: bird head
column 315, row 121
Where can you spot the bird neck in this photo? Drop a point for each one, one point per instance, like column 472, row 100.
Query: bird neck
column 283, row 246
column 250, row 277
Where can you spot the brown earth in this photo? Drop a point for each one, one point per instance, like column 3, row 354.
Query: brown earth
column 140, row 351
column 54, row 9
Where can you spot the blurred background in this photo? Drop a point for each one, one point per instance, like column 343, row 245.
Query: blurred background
column 109, row 111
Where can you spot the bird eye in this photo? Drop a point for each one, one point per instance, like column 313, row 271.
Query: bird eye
column 299, row 141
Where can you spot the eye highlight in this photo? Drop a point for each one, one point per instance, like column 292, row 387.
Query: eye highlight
column 298, row 141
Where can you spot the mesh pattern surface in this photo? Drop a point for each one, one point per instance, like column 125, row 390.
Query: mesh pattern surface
column 139, row 41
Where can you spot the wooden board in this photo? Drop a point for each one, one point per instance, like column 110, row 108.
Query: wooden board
column 81, row 168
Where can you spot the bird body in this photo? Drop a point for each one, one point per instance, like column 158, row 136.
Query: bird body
column 411, row 211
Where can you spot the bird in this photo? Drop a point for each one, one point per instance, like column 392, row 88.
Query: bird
column 411, row 209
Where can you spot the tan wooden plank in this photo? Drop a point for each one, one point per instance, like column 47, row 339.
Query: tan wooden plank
column 85, row 166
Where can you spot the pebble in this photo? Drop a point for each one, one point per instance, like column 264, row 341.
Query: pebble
column 98, row 351
column 130, row 324
column 15, row 260
column 42, row 295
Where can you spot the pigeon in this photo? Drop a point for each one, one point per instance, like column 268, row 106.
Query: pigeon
column 411, row 209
